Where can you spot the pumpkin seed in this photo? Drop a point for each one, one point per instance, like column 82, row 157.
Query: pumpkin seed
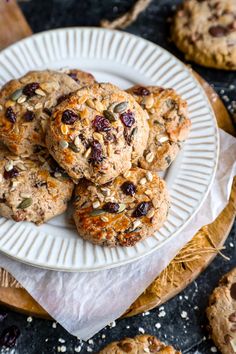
column 97, row 212
column 112, row 117
column 27, row 202
column 73, row 147
column 120, row 107
column 16, row 94
column 63, row 144
column 122, row 207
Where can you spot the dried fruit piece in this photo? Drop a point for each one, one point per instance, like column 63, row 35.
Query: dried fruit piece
column 26, row 203
column 69, row 117
column 218, row 31
column 9, row 336
column 29, row 89
column 111, row 207
column 141, row 210
column 10, row 115
column 128, row 188
column 62, row 98
column 11, row 173
column 96, row 155
column 127, row 118
column 29, row 116
column 101, row 124
column 141, row 91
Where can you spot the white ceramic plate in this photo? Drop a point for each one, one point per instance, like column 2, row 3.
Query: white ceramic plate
column 125, row 60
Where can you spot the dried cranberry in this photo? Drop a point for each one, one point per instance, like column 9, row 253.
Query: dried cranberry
column 73, row 75
column 111, row 207
column 11, row 174
column 127, row 118
column 69, row 117
column 141, row 91
column 10, row 115
column 9, row 336
column 101, row 124
column 218, row 31
column 62, row 98
column 128, row 188
column 141, row 210
column 29, row 89
column 29, row 116
column 96, row 153
column 3, row 315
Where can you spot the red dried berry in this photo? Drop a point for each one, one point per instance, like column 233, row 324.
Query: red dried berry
column 127, row 118
column 101, row 124
column 9, row 336
column 11, row 174
column 29, row 89
column 47, row 111
column 111, row 207
column 141, row 91
column 96, row 155
column 69, row 117
column 218, row 31
column 141, row 210
column 128, row 188
column 73, row 75
column 29, row 116
column 62, row 98
column 10, row 115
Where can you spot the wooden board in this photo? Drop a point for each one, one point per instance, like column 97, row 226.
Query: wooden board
column 181, row 270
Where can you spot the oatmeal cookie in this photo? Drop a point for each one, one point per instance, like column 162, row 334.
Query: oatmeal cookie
column 168, row 122
column 141, row 344
column 82, row 78
column 26, row 105
column 97, row 133
column 123, row 212
column 206, row 32
column 32, row 188
column 221, row 313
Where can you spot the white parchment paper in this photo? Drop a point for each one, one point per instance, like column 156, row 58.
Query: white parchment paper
column 83, row 303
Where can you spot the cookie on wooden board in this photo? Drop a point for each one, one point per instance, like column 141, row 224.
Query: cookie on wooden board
column 168, row 122
column 97, row 133
column 25, row 108
column 141, row 344
column 123, row 212
column 205, row 30
column 221, row 314
column 32, row 188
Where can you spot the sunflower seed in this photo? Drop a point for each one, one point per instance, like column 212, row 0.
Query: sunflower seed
column 57, row 174
column 90, row 103
column 77, row 141
column 63, row 144
column 120, row 107
column 151, row 213
column 161, row 139
column 40, row 92
column 97, row 212
column 26, row 203
column 15, row 95
column 38, row 105
column 112, row 117
column 150, row 157
column 25, row 195
column 96, row 204
column 143, row 181
column 22, row 99
column 149, row 176
column 136, row 224
column 99, row 106
column 104, row 218
column 122, row 207
column 87, row 153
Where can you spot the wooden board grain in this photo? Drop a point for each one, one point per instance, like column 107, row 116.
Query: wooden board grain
column 214, row 234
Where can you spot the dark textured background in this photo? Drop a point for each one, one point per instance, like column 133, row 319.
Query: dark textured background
column 190, row 335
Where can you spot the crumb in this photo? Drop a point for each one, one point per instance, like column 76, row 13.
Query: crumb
column 141, row 330
column 29, row 319
column 158, row 325
column 162, row 314
column 184, row 314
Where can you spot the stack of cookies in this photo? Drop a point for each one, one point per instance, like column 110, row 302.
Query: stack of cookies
column 63, row 131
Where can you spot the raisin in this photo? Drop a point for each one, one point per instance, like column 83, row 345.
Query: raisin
column 96, row 155
column 141, row 210
column 101, row 124
column 29, row 116
column 127, row 118
column 73, row 75
column 9, row 336
column 69, row 117
column 218, row 31
column 47, row 111
column 128, row 188
column 10, row 115
column 62, row 98
column 141, row 91
column 111, row 207
column 11, row 174
column 29, row 89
